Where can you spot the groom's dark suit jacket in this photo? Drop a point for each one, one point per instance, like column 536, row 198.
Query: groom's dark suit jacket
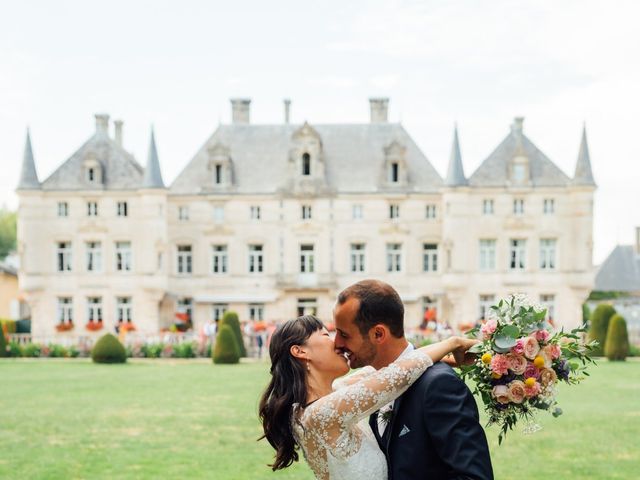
column 434, row 432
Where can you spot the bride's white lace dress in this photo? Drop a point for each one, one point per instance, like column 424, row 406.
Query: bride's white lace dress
column 333, row 431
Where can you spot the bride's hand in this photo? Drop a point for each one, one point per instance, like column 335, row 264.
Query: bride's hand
column 460, row 355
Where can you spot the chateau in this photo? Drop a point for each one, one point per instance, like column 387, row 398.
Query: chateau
column 272, row 221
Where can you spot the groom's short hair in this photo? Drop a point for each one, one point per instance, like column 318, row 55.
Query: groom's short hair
column 379, row 303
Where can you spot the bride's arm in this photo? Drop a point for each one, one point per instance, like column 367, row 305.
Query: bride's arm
column 352, row 378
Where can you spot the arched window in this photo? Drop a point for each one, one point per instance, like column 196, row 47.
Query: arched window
column 306, row 164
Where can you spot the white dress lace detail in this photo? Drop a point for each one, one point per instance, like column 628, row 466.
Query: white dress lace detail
column 334, row 433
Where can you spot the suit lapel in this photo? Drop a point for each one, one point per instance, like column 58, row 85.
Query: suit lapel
column 373, row 423
column 388, row 431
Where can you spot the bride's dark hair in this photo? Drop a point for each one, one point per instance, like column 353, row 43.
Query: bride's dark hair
column 287, row 386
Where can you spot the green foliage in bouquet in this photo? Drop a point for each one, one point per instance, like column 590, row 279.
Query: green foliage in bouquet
column 230, row 318
column 108, row 349
column 617, row 345
column 226, row 349
column 599, row 326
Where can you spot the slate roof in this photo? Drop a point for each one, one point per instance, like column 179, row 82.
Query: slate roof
column 583, row 174
column 28, row 175
column 455, row 172
column 152, row 172
column 494, row 171
column 620, row 272
column 119, row 169
column 353, row 156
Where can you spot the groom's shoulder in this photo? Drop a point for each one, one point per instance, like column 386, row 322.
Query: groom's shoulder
column 438, row 373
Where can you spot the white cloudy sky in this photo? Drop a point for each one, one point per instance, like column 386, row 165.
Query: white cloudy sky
column 175, row 64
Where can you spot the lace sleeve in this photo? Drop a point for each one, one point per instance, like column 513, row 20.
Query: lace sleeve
column 347, row 380
column 330, row 419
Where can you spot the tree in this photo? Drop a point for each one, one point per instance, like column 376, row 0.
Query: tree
column 617, row 345
column 7, row 232
column 226, row 349
column 230, row 318
column 599, row 326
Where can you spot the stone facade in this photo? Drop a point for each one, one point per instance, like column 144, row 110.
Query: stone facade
column 274, row 220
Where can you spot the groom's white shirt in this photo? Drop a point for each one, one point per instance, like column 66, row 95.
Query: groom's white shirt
column 382, row 424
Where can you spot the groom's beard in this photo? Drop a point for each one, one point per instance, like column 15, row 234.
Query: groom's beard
column 364, row 356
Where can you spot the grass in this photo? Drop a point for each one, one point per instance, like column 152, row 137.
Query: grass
column 71, row 419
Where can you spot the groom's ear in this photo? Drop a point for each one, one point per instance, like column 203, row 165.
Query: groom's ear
column 379, row 333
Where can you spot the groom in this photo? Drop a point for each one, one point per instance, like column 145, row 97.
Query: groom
column 432, row 431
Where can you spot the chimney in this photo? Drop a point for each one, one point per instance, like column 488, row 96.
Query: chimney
column 379, row 110
column 102, row 122
column 240, row 110
column 118, row 135
column 516, row 126
column 638, row 240
column 287, row 110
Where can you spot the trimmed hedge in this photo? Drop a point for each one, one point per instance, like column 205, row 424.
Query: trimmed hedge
column 230, row 318
column 108, row 349
column 226, row 349
column 617, row 346
column 599, row 326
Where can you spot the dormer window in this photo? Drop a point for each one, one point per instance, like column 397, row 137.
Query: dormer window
column 91, row 174
column 92, row 170
column 220, row 166
column 394, row 172
column 218, row 179
column 306, row 164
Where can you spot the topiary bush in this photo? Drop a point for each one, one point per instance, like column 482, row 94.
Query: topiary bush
column 108, row 349
column 231, row 319
column 617, row 346
column 599, row 325
column 226, row 349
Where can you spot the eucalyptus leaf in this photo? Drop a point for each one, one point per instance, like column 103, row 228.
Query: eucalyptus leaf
column 477, row 348
column 502, row 344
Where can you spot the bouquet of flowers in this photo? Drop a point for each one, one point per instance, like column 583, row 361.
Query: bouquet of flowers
column 520, row 362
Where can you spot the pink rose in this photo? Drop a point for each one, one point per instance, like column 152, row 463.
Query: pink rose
column 516, row 391
column 542, row 335
column 488, row 328
column 500, row 364
column 548, row 377
column 517, row 363
column 531, row 371
column 553, row 351
column 531, row 348
column 532, row 391
column 501, row 394
column 518, row 349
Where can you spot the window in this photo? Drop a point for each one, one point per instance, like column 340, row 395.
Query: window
column 519, row 172
column 549, row 206
column 256, row 311
column 306, row 212
column 255, row 259
column 123, row 256
column 65, row 310
column 94, row 309
column 123, row 209
column 394, row 257
column 184, row 259
column 183, row 213
column 487, row 255
column 307, row 306
column 517, row 254
column 430, row 211
column 218, row 310
column 306, row 164
column 218, row 214
column 549, row 301
column 430, row 257
column 357, row 258
column 63, row 256
column 486, row 301
column 63, row 209
column 92, row 209
column 306, row 259
column 548, row 253
column 218, row 174
column 94, row 256
column 255, row 213
column 91, row 174
column 394, row 172
column 518, row 206
column 357, row 212
column 487, row 206
column 394, row 211
column 185, row 309
column 219, row 259
column 123, row 310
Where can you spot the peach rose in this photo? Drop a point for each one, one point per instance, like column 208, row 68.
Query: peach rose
column 516, row 391
column 517, row 363
column 501, row 394
column 553, row 351
column 533, row 390
column 548, row 377
column 542, row 335
column 530, row 347
column 518, row 348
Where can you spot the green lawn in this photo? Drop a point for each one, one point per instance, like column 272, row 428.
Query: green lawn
column 70, row 419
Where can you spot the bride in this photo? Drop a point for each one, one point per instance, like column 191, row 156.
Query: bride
column 303, row 407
